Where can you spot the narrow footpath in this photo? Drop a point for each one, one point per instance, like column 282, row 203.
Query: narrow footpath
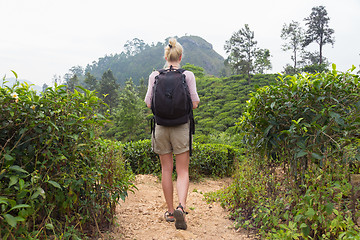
column 140, row 217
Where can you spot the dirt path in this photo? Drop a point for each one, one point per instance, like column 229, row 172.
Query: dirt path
column 141, row 215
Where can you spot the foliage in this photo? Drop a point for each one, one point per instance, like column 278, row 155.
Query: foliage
column 108, row 89
column 222, row 102
column 262, row 61
column 198, row 71
column 262, row 200
column 91, row 83
column 129, row 117
column 215, row 160
column 72, row 83
column 310, row 62
column 318, row 29
column 302, row 138
column 139, row 59
column 294, row 34
column 315, row 68
column 56, row 177
column 141, row 158
column 134, row 47
column 304, row 118
column 244, row 56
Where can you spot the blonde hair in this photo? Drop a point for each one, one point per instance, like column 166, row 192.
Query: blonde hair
column 173, row 51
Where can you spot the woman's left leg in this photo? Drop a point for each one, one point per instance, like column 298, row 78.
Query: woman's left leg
column 182, row 170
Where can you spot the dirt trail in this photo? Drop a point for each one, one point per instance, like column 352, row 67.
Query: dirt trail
column 141, row 215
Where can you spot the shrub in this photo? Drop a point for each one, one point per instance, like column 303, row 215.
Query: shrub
column 302, row 141
column 141, row 158
column 56, row 177
column 216, row 160
column 304, row 119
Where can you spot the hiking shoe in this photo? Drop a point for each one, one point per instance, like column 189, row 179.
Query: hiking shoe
column 179, row 215
column 169, row 217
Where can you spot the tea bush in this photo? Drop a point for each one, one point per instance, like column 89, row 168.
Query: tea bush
column 57, row 178
column 216, row 160
column 302, row 135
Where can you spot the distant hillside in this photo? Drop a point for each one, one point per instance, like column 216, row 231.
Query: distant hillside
column 222, row 100
column 197, row 51
column 11, row 81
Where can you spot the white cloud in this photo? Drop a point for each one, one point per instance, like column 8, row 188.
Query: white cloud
column 41, row 38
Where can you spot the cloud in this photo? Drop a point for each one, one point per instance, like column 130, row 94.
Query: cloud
column 44, row 37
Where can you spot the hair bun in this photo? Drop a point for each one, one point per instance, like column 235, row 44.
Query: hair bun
column 172, row 42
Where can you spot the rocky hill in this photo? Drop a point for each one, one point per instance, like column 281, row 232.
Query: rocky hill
column 197, row 51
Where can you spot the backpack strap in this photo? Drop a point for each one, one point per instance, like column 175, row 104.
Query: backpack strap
column 191, row 131
column 152, row 126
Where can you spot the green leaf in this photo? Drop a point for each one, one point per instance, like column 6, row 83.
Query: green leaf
column 333, row 67
column 8, row 157
column 19, row 219
column 303, row 225
column 49, row 226
column 305, row 229
column 4, row 200
column 21, row 183
column 11, row 220
column 301, row 153
column 15, row 74
column 13, row 180
column 329, row 208
column 17, row 169
column 39, row 191
column 316, row 156
column 310, row 213
column 55, row 184
column 20, row 206
column 266, row 132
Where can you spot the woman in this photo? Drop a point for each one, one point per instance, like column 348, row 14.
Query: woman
column 174, row 140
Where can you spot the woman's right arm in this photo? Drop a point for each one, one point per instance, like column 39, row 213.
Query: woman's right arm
column 150, row 87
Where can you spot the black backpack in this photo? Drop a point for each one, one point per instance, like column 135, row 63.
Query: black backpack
column 171, row 103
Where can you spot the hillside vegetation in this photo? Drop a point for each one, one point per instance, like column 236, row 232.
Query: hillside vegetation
column 303, row 154
column 149, row 57
column 222, row 100
column 291, row 144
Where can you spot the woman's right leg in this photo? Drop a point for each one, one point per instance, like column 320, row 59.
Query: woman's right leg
column 166, row 179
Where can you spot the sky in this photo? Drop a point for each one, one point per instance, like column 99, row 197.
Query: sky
column 43, row 38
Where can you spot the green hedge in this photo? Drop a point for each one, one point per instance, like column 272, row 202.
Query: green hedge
column 56, row 177
column 216, row 160
column 302, row 135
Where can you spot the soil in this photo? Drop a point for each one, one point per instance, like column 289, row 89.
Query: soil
column 141, row 215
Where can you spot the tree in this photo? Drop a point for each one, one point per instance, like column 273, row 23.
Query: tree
column 134, row 46
column 294, row 35
column 142, row 88
column 129, row 121
column 310, row 62
column 72, row 83
column 244, row 53
column 56, row 79
column 318, row 30
column 91, row 82
column 262, row 61
column 44, row 87
column 108, row 89
column 78, row 70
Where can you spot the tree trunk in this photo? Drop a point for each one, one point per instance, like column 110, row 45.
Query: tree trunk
column 321, row 45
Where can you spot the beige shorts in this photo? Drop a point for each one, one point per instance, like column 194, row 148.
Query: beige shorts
column 171, row 139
